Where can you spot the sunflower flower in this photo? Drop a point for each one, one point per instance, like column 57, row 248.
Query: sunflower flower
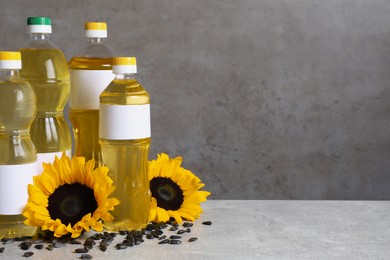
column 70, row 196
column 175, row 191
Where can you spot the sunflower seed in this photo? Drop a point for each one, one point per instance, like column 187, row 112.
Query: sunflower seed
column 39, row 246
column 28, row 254
column 187, row 224
column 155, row 234
column 181, row 231
column 120, row 246
column 192, row 239
column 158, row 231
column 25, row 245
column 122, row 232
column 174, row 242
column 165, row 241
column 50, row 247
column 95, row 237
column 149, row 236
column 128, row 243
column 81, row 250
column 207, row 223
column 188, row 230
column 103, row 246
column 162, row 225
column 130, row 237
column 162, row 237
column 2, row 249
column 85, row 256
column 75, row 242
column 173, row 228
column 175, row 237
column 151, row 227
column 112, row 234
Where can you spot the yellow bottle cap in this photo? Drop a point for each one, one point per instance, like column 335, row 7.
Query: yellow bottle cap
column 10, row 60
column 121, row 65
column 124, row 61
column 10, row 55
column 95, row 29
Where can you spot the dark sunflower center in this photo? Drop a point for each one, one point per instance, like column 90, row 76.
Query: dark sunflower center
column 168, row 194
column 71, row 202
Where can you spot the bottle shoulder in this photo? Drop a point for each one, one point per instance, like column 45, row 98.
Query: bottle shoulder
column 125, row 92
column 88, row 63
column 39, row 44
column 95, row 50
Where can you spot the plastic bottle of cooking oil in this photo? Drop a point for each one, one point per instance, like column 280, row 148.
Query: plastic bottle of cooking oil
column 18, row 157
column 46, row 68
column 90, row 73
column 124, row 131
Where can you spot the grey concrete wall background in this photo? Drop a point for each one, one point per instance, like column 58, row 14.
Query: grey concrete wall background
column 268, row 99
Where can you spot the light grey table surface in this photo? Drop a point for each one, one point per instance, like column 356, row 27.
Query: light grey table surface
column 256, row 229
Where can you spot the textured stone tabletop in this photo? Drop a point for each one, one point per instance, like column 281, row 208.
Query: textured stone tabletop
column 256, row 229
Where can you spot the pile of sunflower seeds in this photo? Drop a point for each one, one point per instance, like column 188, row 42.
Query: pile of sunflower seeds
column 103, row 240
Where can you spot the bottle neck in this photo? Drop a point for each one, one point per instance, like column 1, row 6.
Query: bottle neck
column 9, row 72
column 95, row 39
column 39, row 36
column 125, row 76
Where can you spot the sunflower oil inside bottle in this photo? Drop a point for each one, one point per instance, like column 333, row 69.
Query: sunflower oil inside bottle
column 17, row 153
column 90, row 73
column 46, row 68
column 124, row 131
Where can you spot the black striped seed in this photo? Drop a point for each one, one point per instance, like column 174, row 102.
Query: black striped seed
column 174, row 242
column 165, row 241
column 28, row 254
column 187, row 224
column 120, row 246
column 81, row 250
column 2, row 249
column 181, row 231
column 25, row 245
column 162, row 237
column 192, row 239
column 39, row 246
column 175, row 237
column 207, row 223
column 173, row 228
column 85, row 256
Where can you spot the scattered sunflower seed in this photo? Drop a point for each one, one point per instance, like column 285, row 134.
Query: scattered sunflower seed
column 187, row 224
column 173, row 228
column 165, row 241
column 175, row 237
column 28, row 254
column 181, row 231
column 2, row 249
column 174, row 242
column 85, row 256
column 192, row 239
column 207, row 223
column 162, row 237
column 39, row 246
column 50, row 247
column 81, row 250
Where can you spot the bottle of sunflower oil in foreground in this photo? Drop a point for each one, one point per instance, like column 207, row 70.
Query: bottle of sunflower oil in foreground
column 124, row 132
column 46, row 69
column 90, row 73
column 18, row 157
